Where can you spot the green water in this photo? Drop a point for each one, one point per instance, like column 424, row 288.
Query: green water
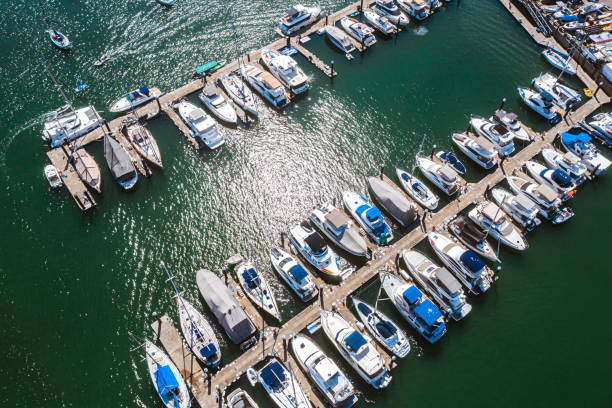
column 72, row 286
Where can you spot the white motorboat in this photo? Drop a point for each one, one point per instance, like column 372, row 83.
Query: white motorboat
column 439, row 283
column 356, row 348
column 383, row 329
column 338, row 227
column 52, row 176
column 282, row 386
column 563, row 96
column 368, row 217
column 522, row 210
column 443, row 176
column 202, row 126
column 417, row 190
column 315, row 250
column 199, row 335
column 240, row 93
column 256, row 287
column 59, row 40
column 286, row 70
column 547, row 199
column 217, row 105
column 414, row 306
column 419, row 9
column 559, row 60
column 510, row 120
column 540, row 103
column 166, row 378
column 240, row 399
column 323, row 372
column 144, row 143
column 134, row 98
column 568, row 162
column 379, row 22
column 557, row 179
column 580, row 144
column 339, row 39
column 477, row 148
column 298, row 279
column 359, row 31
column 602, row 125
column 497, row 134
column 389, row 9
column 297, row 18
column 67, row 127
column 492, row 219
column 472, row 237
column 266, row 85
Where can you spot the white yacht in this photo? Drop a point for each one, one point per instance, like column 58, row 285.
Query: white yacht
column 339, row 228
column 522, row 210
column 419, row 9
column 298, row 279
column 492, row 219
column 497, row 134
column 198, row 334
column 477, row 148
column 568, row 162
column 356, row 348
column 439, row 283
column 339, row 39
column 414, row 306
column 256, row 287
column 368, row 217
column 240, row 399
column 134, row 98
column 540, row 103
column 443, row 176
column 286, row 70
column 602, row 123
column 563, row 96
column 266, row 85
column 52, row 176
column 315, row 250
column 281, row 385
column 417, row 190
column 580, row 144
column 217, row 105
column 70, row 126
column 359, row 31
column 144, row 143
column 557, row 179
column 323, row 372
column 389, row 9
column 510, row 120
column 547, row 199
column 470, row 235
column 166, row 378
column 202, row 126
column 297, row 18
column 379, row 22
column 240, row 93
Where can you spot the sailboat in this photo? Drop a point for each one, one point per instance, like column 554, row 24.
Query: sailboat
column 87, row 168
column 166, row 378
column 144, row 143
column 119, row 163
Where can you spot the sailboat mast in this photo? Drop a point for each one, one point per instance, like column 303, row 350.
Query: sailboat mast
column 57, row 85
column 171, row 279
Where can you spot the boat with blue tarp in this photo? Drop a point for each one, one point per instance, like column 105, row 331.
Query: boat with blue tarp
column 166, row 378
column 368, row 217
column 257, row 289
column 579, row 143
column 281, row 385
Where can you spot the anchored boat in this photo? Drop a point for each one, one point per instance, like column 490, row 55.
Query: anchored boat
column 217, row 105
column 492, row 219
column 286, row 70
column 559, row 60
column 579, row 143
column 257, row 289
column 52, row 176
column 144, row 143
column 368, row 217
column 240, row 93
column 417, row 190
column 479, row 149
column 337, row 227
column 266, row 85
column 282, row 386
column 522, row 210
column 134, row 98
column 442, row 176
column 601, row 125
column 293, row 274
column 394, row 202
column 450, row 158
column 67, row 127
column 298, row 17
column 389, row 9
column 510, row 120
column 557, row 179
column 472, row 237
column 313, row 248
column 564, row 96
column 202, row 126
column 379, row 22
column 87, row 169
column 199, row 335
column 419, row 9
column 497, row 134
column 568, row 162
column 339, row 39
column 166, row 378
column 540, row 103
column 240, row 399
column 359, row 31
column 119, row 163
column 547, row 200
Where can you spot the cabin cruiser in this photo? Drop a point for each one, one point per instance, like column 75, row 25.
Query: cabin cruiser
column 450, row 158
column 547, row 200
column 403, row 210
column 339, row 39
column 510, row 120
column 438, row 282
column 313, row 248
column 202, row 126
column 120, row 163
column 359, row 31
column 144, row 143
column 472, row 237
column 492, row 219
column 559, row 60
column 557, row 179
column 240, row 93
column 443, row 176
column 368, row 217
column 324, row 372
column 198, row 334
column 379, row 22
column 522, row 210
column 383, row 329
column 256, row 287
column 297, row 18
column 580, row 144
column 240, row 399
column 298, row 279
column 356, row 348
column 497, row 134
column 417, row 190
column 286, row 70
column 268, row 87
column 281, row 385
column 59, row 40
column 540, row 103
column 414, row 306
column 602, row 125
column 568, row 162
column 477, row 148
column 67, row 127
column 134, row 98
column 564, row 96
column 338, row 227
column 418, row 9
column 52, row 176
column 166, row 378
column 217, row 105
column 388, row 9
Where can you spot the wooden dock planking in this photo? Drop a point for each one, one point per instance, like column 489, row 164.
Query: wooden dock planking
column 314, row 60
column 70, row 178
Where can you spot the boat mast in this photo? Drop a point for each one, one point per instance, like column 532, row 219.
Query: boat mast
column 57, row 85
column 378, row 295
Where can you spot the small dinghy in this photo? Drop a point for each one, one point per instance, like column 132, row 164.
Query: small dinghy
column 417, row 190
column 383, row 329
column 217, row 105
column 393, row 201
column 101, row 61
column 473, row 237
column 198, row 334
column 166, row 378
column 87, row 169
column 368, row 217
column 120, row 163
column 240, row 399
column 559, row 60
column 281, row 385
column 450, row 158
column 52, row 176
column 256, row 288
column 80, row 85
column 240, row 93
column 144, row 143
column 59, row 40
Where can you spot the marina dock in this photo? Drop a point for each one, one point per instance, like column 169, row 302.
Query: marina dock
column 77, row 190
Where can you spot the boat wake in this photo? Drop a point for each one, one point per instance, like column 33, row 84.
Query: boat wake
column 421, row 30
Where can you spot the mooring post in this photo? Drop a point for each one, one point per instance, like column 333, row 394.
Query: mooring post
column 107, row 127
column 433, row 150
column 156, row 316
column 487, row 189
column 321, row 296
column 285, row 347
column 224, row 270
column 332, row 69
column 288, row 41
column 326, row 17
column 599, row 85
column 397, row 258
column 361, row 8
column 283, row 239
column 219, row 396
column 503, row 102
column 248, row 57
column 382, row 169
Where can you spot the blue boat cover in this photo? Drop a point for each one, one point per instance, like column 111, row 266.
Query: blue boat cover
column 386, row 329
column 209, row 351
column 361, row 209
column 354, row 341
column 561, row 178
column 373, row 214
column 166, row 382
column 412, row 295
column 144, row 90
column 428, row 312
column 251, row 278
column 571, row 138
column 567, row 18
column 405, row 177
column 363, row 308
column 472, row 261
column 298, row 272
column 273, row 376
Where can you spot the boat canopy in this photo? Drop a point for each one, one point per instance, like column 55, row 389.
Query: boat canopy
column 448, row 281
column 428, row 312
column 484, row 143
column 412, row 295
column 315, row 242
column 251, row 278
column 547, row 97
column 298, row 272
column 209, row 352
column 448, row 173
column 373, row 214
column 472, row 261
column 386, row 329
column 335, row 218
column 273, row 375
column 355, row 341
column 166, row 382
column 524, row 203
column 561, row 178
column 546, row 192
column 492, row 212
column 572, row 138
column 211, row 90
column 363, row 308
column 469, row 230
column 118, row 160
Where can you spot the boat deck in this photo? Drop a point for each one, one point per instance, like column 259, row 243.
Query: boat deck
column 76, row 188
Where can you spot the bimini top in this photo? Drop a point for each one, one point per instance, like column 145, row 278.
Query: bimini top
column 412, row 295
column 562, row 178
column 472, row 261
column 572, row 138
column 386, row 329
column 373, row 214
column 298, row 272
column 211, row 90
column 273, row 376
column 166, row 382
column 428, row 312
column 448, row 281
column 355, row 341
column 251, row 278
column 335, row 218
column 363, row 308
column 315, row 242
column 209, row 351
